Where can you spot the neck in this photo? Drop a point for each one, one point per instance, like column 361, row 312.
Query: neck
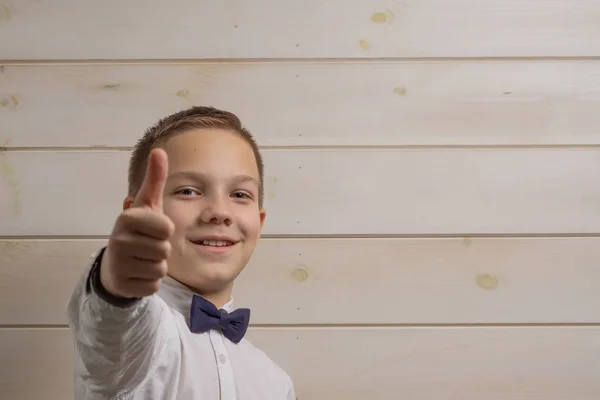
column 218, row 297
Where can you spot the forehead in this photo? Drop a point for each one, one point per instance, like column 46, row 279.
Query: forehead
column 210, row 150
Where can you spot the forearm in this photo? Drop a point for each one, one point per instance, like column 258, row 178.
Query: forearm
column 116, row 341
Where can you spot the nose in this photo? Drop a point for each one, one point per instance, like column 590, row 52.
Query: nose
column 216, row 211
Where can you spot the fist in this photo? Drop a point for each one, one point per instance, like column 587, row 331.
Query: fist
column 136, row 256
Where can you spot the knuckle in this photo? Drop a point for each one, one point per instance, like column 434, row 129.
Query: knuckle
column 170, row 226
column 125, row 225
column 165, row 248
column 163, row 268
column 156, row 285
column 165, row 226
column 152, row 286
column 159, row 270
column 128, row 216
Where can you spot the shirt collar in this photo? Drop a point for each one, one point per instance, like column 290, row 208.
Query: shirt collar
column 179, row 297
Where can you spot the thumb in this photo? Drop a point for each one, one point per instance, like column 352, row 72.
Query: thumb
column 153, row 186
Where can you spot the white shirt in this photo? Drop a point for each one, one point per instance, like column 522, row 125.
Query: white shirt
column 147, row 351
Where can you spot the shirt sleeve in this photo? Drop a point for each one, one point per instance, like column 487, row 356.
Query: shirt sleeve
column 291, row 395
column 115, row 346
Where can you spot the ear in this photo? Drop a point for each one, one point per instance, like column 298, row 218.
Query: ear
column 263, row 215
column 128, row 202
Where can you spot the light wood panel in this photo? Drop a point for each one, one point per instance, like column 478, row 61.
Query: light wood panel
column 362, row 192
column 68, row 29
column 366, row 281
column 36, row 364
column 334, row 104
column 358, row 364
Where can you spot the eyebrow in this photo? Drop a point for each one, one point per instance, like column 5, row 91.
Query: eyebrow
column 198, row 176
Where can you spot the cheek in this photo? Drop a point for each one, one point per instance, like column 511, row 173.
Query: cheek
column 181, row 217
column 250, row 224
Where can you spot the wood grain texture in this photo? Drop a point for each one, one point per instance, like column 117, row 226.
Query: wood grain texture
column 333, row 192
column 356, row 364
column 36, row 364
column 345, row 75
column 365, row 281
column 316, row 104
column 183, row 29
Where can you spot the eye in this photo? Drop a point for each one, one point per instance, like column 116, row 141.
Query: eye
column 242, row 195
column 186, row 192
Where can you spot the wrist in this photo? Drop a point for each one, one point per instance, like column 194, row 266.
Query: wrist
column 100, row 289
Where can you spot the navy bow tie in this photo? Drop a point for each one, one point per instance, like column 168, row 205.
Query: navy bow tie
column 205, row 316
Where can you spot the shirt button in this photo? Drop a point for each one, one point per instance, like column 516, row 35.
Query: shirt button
column 222, row 358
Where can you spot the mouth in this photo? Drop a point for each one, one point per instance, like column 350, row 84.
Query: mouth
column 214, row 244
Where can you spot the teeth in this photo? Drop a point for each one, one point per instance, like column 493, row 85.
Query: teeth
column 218, row 243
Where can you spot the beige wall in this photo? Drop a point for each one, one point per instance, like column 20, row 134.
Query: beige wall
column 457, row 139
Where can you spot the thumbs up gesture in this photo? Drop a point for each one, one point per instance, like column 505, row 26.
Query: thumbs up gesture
column 136, row 257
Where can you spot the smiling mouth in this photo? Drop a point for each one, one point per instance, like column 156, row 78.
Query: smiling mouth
column 214, row 247
column 214, row 243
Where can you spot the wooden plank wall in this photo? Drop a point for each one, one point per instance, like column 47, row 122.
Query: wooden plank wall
column 457, row 140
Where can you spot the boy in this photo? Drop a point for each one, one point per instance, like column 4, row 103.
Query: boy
column 152, row 316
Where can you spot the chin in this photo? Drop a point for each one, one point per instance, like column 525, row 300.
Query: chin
column 213, row 278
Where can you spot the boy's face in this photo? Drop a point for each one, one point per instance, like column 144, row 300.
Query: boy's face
column 211, row 195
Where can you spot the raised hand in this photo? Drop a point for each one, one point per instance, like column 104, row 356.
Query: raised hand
column 139, row 245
